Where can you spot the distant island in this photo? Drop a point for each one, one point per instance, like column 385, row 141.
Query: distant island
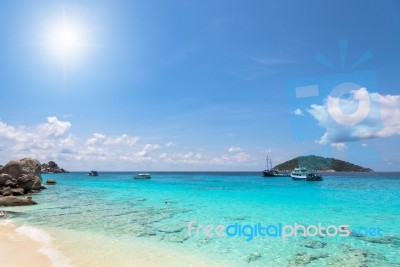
column 318, row 163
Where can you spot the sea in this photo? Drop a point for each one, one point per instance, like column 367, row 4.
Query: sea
column 229, row 218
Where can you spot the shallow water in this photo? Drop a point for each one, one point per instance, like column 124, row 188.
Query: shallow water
column 117, row 207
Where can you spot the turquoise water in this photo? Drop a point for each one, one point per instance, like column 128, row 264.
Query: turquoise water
column 158, row 210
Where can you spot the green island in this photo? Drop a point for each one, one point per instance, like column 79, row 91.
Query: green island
column 318, row 163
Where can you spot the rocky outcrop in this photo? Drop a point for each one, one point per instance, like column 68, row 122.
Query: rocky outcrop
column 16, row 201
column 52, row 167
column 20, row 177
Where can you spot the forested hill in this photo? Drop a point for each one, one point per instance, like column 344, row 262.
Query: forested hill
column 321, row 164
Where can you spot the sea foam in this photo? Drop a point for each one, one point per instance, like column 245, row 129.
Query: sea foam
column 46, row 245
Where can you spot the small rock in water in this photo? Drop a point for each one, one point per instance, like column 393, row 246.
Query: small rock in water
column 51, row 182
column 15, row 201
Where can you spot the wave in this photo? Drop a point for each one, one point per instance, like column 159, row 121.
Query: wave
column 46, row 245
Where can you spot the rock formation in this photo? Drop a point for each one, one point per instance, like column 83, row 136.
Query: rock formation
column 26, row 173
column 52, row 167
column 19, row 177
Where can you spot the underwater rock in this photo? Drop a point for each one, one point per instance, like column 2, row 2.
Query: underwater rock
column 315, row 244
column 156, row 237
column 358, row 257
column 177, row 238
column 385, row 240
column 171, row 229
column 252, row 257
column 304, row 258
column 300, row 259
column 202, row 242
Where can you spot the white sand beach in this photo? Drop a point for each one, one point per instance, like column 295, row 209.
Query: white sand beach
column 33, row 247
column 18, row 250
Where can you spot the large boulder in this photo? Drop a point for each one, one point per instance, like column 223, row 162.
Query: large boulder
column 16, row 201
column 27, row 173
column 29, row 182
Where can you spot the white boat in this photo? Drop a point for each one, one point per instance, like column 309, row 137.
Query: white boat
column 142, row 176
column 93, row 173
column 302, row 174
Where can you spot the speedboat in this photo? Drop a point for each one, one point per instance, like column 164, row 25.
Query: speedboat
column 142, row 176
column 302, row 174
column 93, row 173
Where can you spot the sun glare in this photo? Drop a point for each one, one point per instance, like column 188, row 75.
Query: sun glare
column 65, row 41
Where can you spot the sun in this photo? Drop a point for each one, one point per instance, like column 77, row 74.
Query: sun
column 65, row 40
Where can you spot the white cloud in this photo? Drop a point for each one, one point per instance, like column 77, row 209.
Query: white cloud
column 52, row 140
column 53, row 127
column 184, row 158
column 234, row 149
column 95, row 139
column 381, row 121
column 122, row 139
column 142, row 155
column 170, row 144
column 298, row 112
column 364, row 145
column 339, row 146
column 101, row 139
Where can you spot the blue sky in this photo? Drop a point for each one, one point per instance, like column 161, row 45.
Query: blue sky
column 198, row 85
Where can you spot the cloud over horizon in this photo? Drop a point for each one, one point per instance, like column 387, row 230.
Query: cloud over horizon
column 53, row 140
column 381, row 120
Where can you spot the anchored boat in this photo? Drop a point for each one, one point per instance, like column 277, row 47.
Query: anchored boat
column 271, row 172
column 302, row 174
column 93, row 173
column 142, row 176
